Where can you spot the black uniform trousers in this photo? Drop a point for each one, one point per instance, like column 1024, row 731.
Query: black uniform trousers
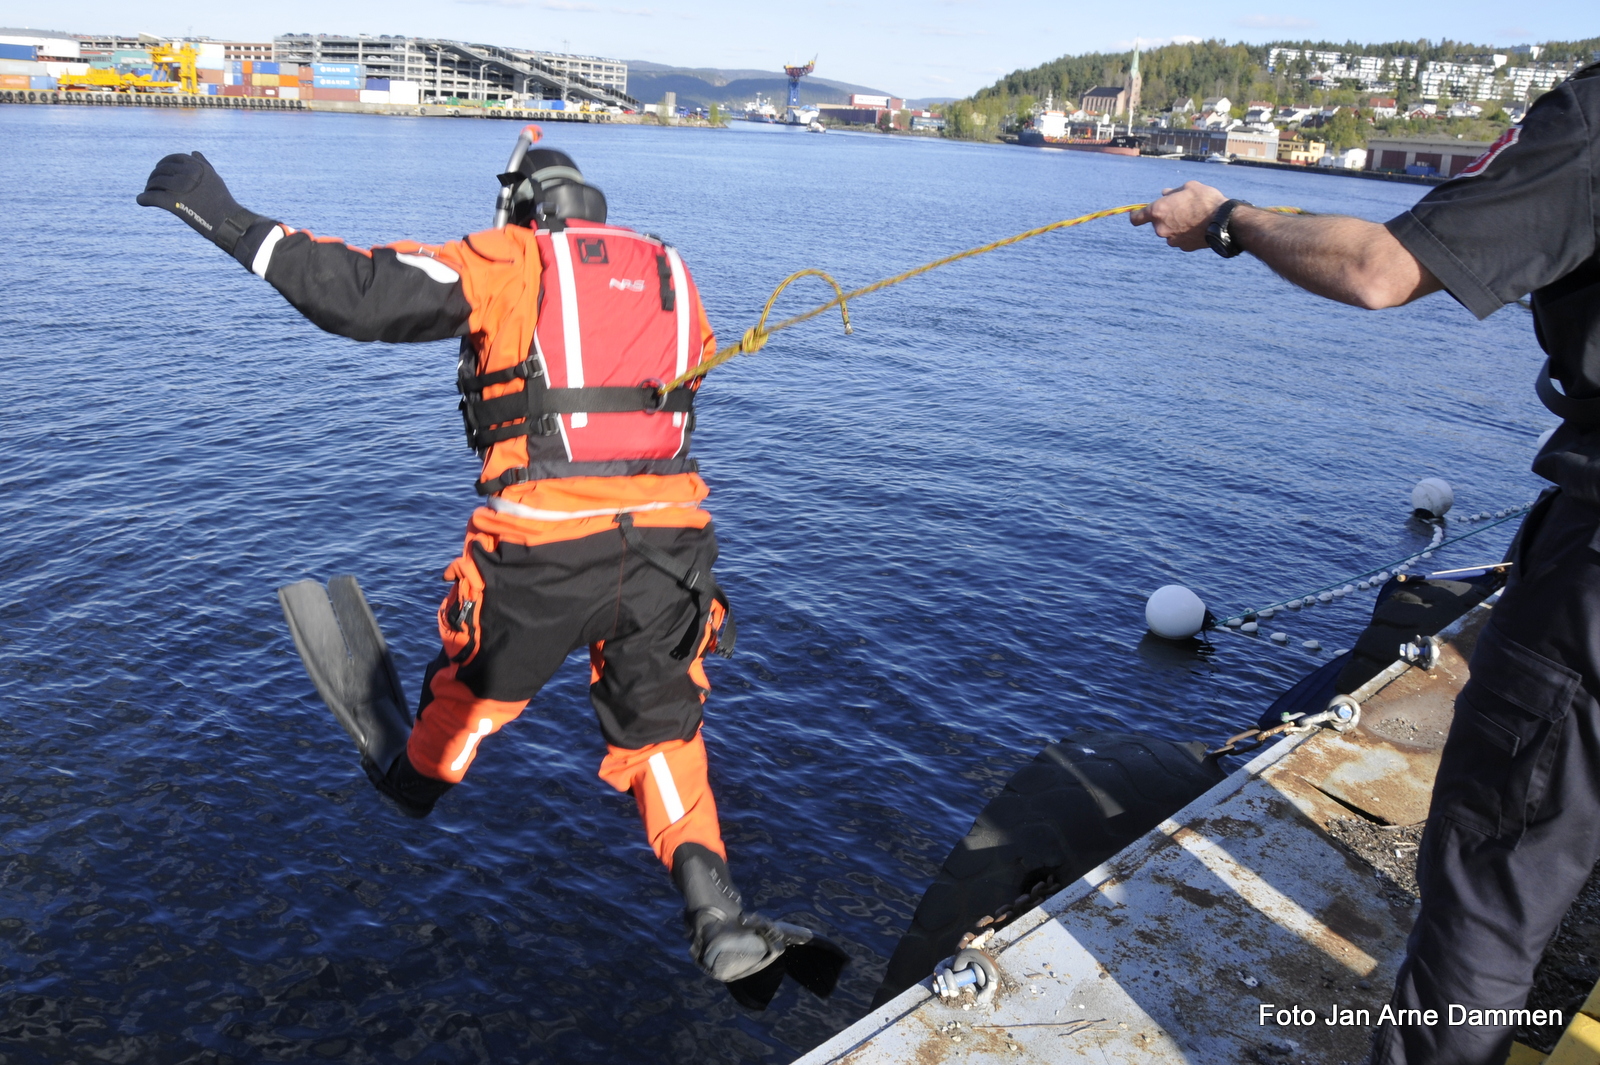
column 1514, row 826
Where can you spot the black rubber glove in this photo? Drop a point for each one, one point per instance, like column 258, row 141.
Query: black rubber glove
column 187, row 186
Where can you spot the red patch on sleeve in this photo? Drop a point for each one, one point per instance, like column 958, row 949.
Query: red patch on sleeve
column 1481, row 163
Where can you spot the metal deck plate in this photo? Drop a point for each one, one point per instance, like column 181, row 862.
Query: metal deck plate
column 1170, row 951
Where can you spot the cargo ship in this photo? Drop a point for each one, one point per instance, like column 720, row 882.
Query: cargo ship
column 1051, row 129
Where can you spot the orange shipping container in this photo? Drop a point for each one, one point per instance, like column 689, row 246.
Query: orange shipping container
column 13, row 81
column 289, row 80
column 247, row 67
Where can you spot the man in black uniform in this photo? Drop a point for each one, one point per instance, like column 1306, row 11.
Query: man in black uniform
column 1514, row 827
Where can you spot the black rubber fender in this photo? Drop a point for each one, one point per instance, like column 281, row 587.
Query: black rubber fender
column 1078, row 802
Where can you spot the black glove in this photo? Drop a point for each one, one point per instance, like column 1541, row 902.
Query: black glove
column 187, row 186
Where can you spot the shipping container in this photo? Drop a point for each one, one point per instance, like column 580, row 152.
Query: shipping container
column 337, row 83
column 17, row 66
column 247, row 66
column 264, row 67
column 405, row 92
column 290, row 80
column 124, row 57
column 348, row 70
column 345, row 95
column 235, row 90
column 287, row 93
column 41, row 82
column 210, row 77
column 377, row 84
column 374, row 96
column 13, row 81
column 555, row 105
column 18, row 51
column 307, row 92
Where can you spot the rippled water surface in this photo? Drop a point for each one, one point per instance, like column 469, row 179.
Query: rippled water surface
column 938, row 535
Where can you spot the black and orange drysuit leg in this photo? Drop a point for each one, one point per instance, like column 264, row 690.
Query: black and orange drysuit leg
column 514, row 613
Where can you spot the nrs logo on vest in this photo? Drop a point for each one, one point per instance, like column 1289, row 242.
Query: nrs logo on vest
column 627, row 285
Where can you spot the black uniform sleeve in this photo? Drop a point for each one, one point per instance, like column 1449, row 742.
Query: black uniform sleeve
column 1521, row 217
column 383, row 294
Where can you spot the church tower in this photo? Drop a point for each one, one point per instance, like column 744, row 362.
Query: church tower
column 1134, row 84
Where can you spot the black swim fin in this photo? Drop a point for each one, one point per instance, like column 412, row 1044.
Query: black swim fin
column 345, row 656
column 813, row 960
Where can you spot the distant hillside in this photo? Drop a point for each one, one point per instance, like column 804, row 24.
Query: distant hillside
column 704, row 86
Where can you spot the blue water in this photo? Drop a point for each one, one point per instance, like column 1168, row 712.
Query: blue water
column 938, row 535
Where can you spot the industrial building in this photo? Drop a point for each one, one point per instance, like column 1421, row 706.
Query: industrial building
column 455, row 69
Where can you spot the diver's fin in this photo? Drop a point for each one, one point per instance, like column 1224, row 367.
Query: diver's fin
column 756, row 991
column 816, row 964
column 345, row 656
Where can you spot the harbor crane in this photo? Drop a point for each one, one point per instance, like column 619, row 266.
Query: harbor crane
column 795, row 74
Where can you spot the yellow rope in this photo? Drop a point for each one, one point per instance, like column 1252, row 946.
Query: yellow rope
column 755, row 338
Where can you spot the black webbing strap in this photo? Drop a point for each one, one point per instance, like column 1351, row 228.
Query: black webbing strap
column 558, row 468
column 526, row 369
column 669, row 298
column 1580, row 412
column 697, row 582
column 533, row 411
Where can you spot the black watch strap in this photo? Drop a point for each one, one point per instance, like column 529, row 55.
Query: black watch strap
column 1219, row 237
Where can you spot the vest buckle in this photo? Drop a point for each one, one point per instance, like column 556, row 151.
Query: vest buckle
column 654, row 398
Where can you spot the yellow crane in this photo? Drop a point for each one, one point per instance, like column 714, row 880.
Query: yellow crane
column 176, row 68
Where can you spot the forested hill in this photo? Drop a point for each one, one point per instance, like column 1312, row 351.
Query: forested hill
column 1216, row 68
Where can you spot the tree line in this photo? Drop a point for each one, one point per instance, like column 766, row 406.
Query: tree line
column 1204, row 69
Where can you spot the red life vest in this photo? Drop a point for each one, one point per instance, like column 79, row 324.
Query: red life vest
column 616, row 315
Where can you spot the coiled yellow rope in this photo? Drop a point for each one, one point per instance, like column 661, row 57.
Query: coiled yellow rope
column 755, row 338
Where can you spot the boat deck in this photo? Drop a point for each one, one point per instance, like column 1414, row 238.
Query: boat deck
column 1184, row 947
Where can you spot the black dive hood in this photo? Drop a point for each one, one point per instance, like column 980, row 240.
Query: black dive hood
column 544, row 185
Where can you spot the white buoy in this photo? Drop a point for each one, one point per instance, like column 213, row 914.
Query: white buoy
column 1308, row 601
column 1249, row 626
column 1432, row 497
column 1324, row 597
column 1174, row 612
column 1312, row 645
column 1280, row 637
column 1233, row 623
column 1267, row 613
column 1544, row 438
column 1363, row 585
column 1381, row 578
column 1293, row 604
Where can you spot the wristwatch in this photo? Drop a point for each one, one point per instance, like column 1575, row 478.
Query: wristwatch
column 1218, row 236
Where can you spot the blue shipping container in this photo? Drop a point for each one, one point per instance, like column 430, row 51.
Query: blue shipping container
column 335, row 83
column 337, row 70
column 377, row 84
column 555, row 105
column 18, row 51
column 264, row 68
column 37, row 82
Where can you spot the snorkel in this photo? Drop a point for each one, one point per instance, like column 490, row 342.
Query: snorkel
column 513, row 176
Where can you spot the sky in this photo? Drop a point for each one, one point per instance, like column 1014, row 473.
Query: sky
column 913, row 48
